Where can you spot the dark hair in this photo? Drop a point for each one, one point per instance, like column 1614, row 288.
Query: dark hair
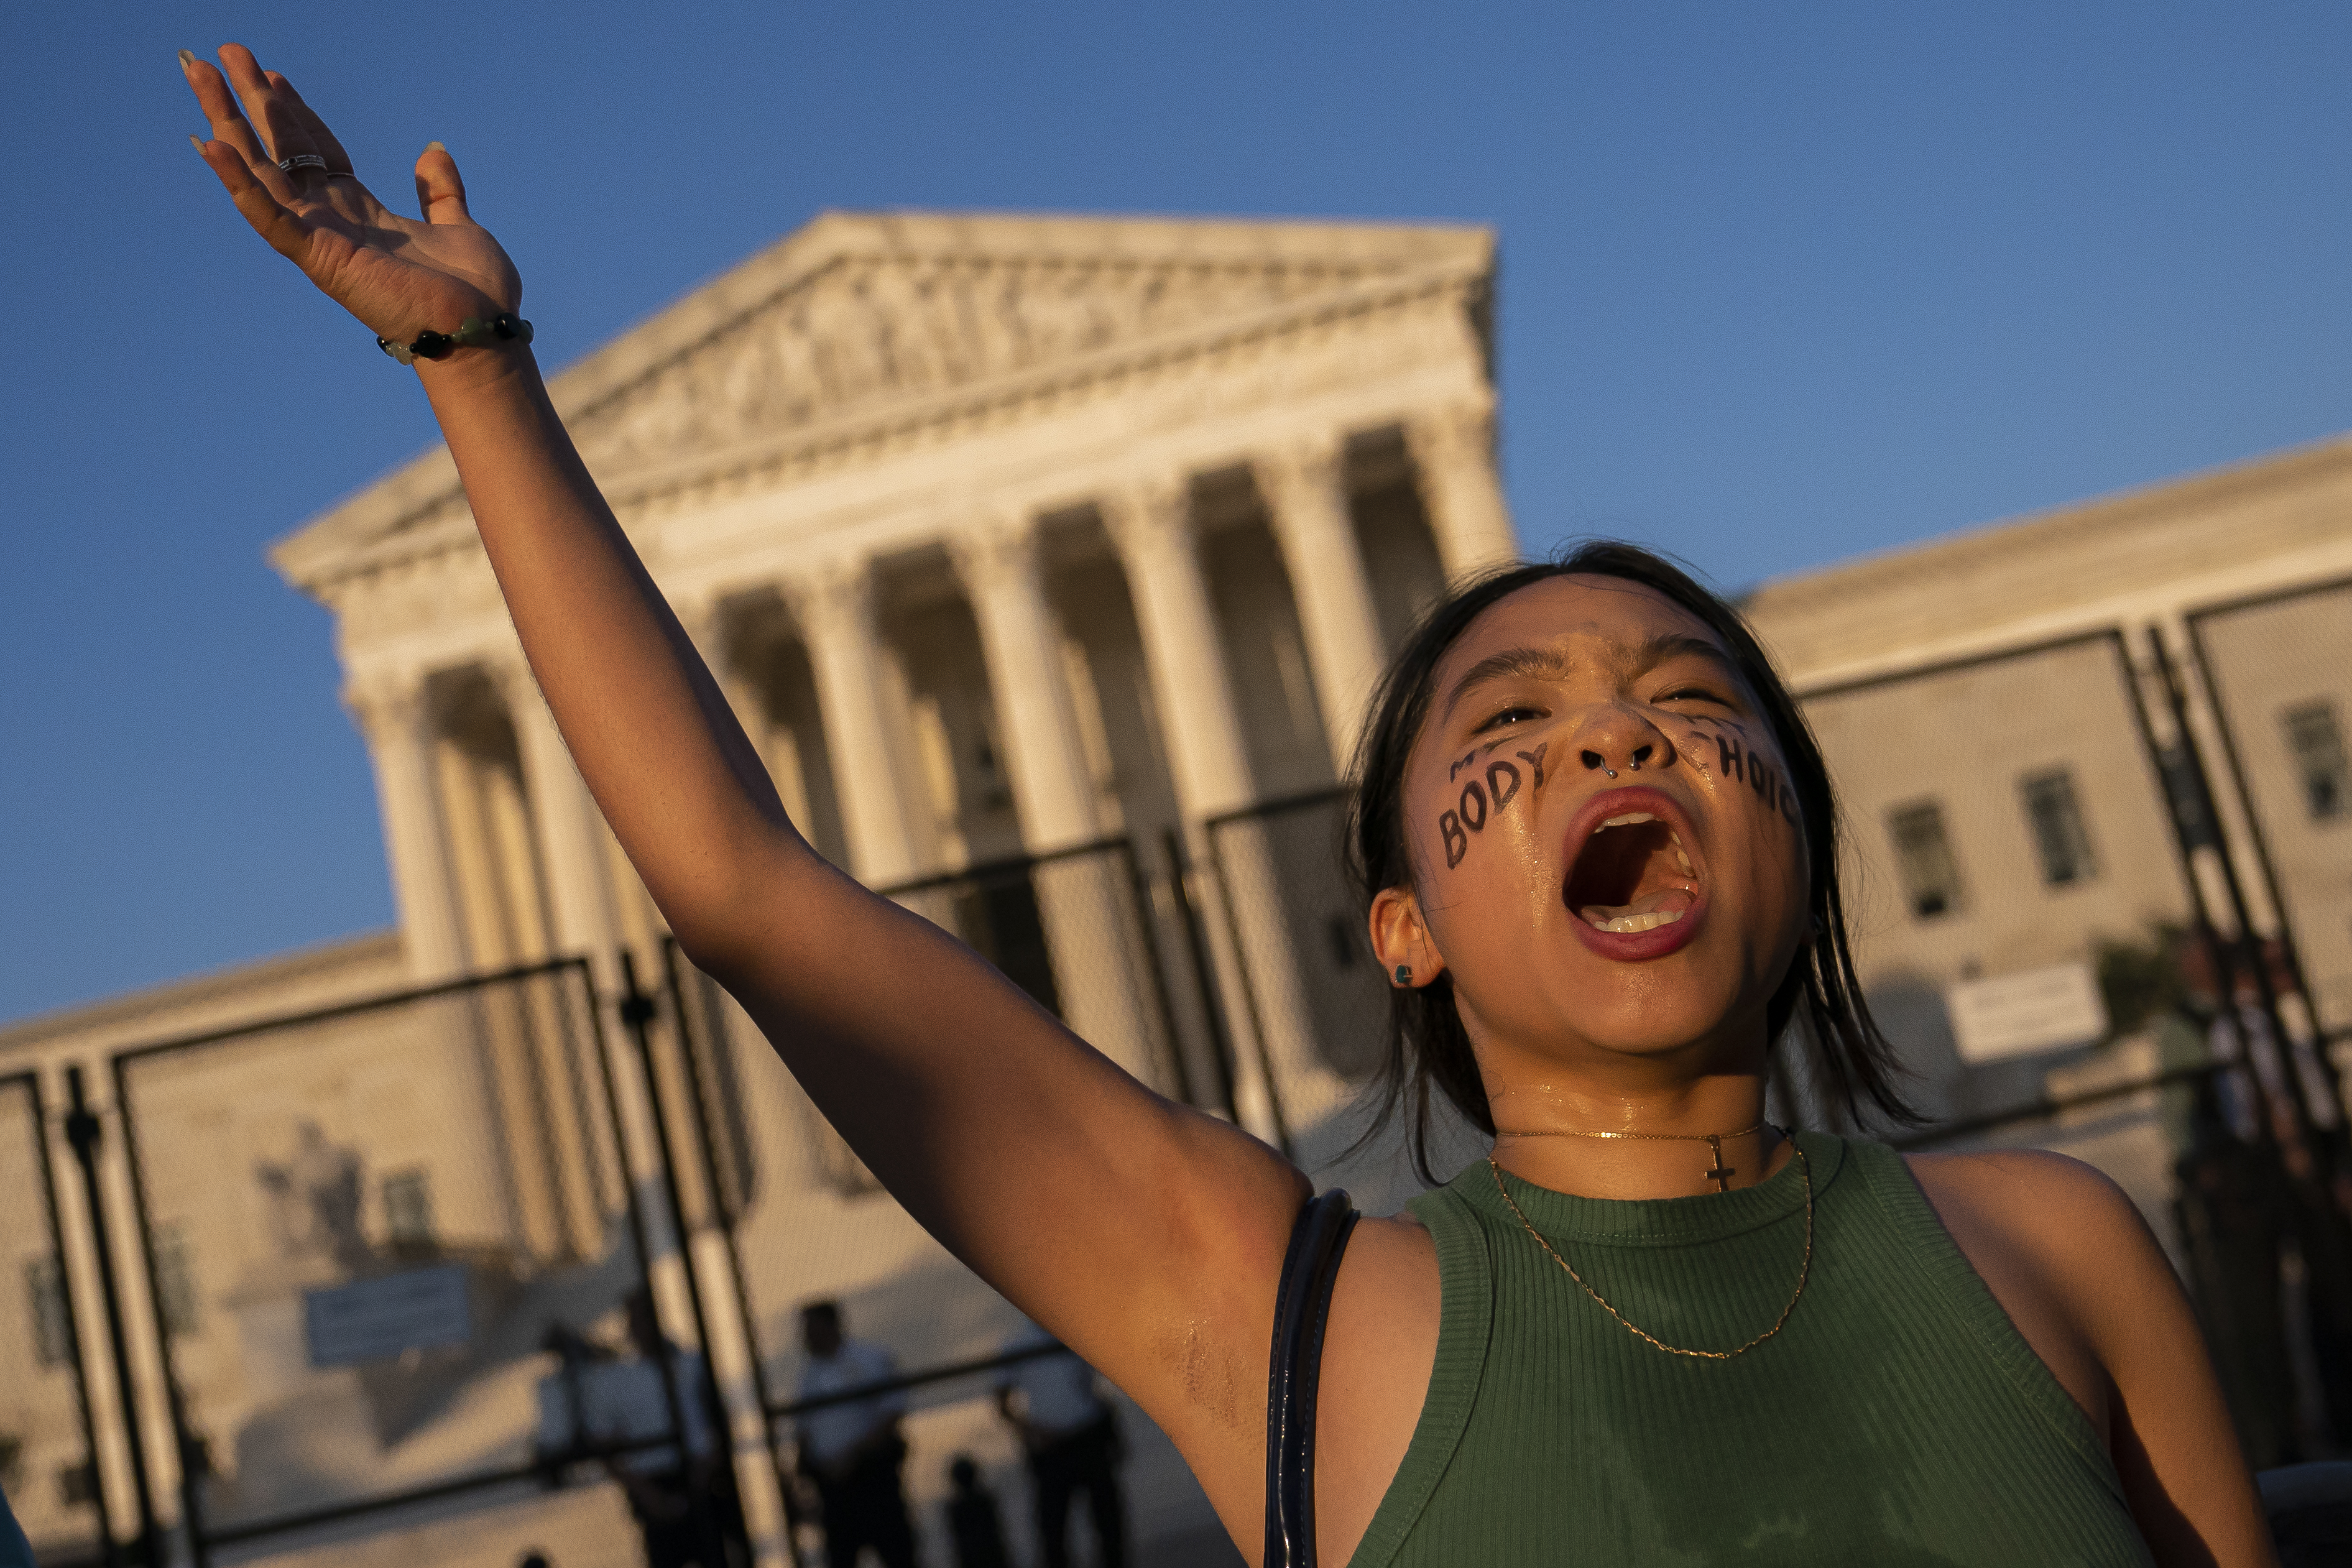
column 1851, row 1065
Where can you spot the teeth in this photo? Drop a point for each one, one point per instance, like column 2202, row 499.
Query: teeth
column 1683, row 861
column 1627, row 925
column 1627, row 820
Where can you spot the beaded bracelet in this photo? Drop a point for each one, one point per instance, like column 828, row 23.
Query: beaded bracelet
column 472, row 333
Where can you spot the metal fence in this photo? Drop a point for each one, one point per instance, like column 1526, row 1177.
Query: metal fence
column 370, row 1235
column 1309, row 983
column 48, row 1445
column 2007, row 823
column 2279, row 669
column 795, row 1216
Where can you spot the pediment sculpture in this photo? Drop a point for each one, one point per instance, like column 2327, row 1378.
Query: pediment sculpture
column 863, row 332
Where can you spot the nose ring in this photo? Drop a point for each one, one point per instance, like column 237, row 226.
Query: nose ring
column 1593, row 760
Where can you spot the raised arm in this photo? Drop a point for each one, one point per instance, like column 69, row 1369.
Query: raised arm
column 1144, row 1235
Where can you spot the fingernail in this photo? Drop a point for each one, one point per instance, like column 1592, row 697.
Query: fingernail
column 197, row 145
column 435, row 147
column 187, row 58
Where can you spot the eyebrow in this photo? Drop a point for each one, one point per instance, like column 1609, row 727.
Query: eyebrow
column 1550, row 664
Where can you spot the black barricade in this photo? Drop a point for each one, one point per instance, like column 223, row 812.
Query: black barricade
column 47, row 1447
column 391, row 1249
column 2279, row 670
column 801, row 1219
column 1312, row 988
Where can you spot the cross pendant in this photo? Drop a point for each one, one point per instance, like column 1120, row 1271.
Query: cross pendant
column 1722, row 1173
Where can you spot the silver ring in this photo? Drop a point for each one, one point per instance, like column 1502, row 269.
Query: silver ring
column 301, row 160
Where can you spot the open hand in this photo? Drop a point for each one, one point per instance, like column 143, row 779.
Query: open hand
column 399, row 276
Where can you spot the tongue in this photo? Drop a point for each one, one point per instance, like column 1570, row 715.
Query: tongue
column 1663, row 907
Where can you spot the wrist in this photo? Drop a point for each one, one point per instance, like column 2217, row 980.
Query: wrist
column 473, row 332
column 511, row 366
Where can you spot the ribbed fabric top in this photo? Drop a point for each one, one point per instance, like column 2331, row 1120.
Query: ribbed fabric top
column 1898, row 1418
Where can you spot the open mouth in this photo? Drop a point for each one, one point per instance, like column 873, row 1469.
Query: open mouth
column 1632, row 876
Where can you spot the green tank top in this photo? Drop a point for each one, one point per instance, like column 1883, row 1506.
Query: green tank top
column 1898, row 1418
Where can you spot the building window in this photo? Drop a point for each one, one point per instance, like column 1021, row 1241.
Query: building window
column 45, row 1292
column 2059, row 837
column 175, row 1279
column 2317, row 742
column 1923, row 854
column 408, row 1211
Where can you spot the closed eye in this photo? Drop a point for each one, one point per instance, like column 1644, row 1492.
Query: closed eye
column 1693, row 694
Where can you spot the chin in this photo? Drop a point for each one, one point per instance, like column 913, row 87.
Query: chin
column 1659, row 1017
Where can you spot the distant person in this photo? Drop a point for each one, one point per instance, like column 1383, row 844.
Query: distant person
column 973, row 1524
column 684, row 1504
column 852, row 1451
column 1071, row 1437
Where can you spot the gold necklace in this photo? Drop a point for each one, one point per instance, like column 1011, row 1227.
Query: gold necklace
column 1721, row 1176
column 1804, row 1269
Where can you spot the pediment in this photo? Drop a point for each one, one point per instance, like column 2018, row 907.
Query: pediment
column 859, row 318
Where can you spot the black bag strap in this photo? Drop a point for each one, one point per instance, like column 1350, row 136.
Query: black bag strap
column 1301, row 1304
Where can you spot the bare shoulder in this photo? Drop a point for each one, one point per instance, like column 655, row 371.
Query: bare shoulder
column 2057, row 1241
column 2032, row 1197
column 2068, row 1256
column 2051, row 1239
column 1378, row 1348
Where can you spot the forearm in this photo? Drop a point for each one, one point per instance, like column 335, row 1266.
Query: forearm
column 626, row 683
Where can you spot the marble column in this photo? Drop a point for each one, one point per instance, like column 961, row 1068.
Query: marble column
column 1091, row 935
column 704, row 620
column 396, row 719
column 834, row 604
column 1053, row 789
column 1453, row 450
column 1151, row 524
column 1306, row 489
column 569, row 827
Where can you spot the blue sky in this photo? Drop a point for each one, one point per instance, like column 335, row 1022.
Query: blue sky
column 1779, row 284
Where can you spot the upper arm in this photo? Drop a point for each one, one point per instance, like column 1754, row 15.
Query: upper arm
column 2068, row 1256
column 1146, row 1235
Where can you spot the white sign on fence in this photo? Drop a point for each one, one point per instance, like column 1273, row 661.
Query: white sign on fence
column 377, row 1319
column 2034, row 1010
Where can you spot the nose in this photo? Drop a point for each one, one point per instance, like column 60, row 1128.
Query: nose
column 1613, row 741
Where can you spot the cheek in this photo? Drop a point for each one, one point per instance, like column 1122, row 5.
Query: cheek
column 1751, row 784
column 1473, row 823
column 1772, row 824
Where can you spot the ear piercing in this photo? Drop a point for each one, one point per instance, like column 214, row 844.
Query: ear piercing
column 1403, row 974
